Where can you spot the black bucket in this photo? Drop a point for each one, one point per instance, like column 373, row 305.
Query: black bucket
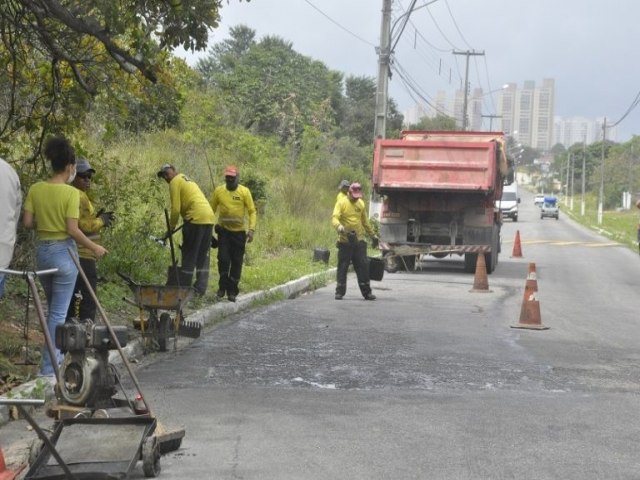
column 321, row 255
column 376, row 268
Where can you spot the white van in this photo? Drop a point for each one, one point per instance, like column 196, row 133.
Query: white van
column 508, row 204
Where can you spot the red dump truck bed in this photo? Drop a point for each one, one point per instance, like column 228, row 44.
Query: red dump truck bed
column 439, row 161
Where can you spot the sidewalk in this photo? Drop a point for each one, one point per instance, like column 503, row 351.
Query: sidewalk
column 17, row 436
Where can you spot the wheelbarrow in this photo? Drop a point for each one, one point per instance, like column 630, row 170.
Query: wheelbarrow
column 158, row 301
column 92, row 448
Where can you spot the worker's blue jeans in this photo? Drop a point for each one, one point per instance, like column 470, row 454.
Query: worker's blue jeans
column 58, row 288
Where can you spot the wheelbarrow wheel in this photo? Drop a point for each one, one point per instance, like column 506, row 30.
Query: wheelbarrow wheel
column 164, row 326
column 151, row 457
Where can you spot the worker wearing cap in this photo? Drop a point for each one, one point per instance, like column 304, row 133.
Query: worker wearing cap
column 343, row 188
column 236, row 224
column 188, row 202
column 350, row 221
column 82, row 305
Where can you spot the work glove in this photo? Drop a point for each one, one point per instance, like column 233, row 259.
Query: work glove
column 375, row 241
column 250, row 236
column 214, row 242
column 107, row 218
column 340, row 228
column 217, row 229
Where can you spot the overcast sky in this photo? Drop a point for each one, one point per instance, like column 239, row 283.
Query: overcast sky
column 588, row 46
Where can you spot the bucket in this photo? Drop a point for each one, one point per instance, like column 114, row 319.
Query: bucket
column 376, row 268
column 321, row 255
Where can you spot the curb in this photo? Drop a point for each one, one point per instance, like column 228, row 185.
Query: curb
column 205, row 316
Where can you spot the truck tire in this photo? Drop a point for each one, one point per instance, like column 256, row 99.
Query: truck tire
column 470, row 260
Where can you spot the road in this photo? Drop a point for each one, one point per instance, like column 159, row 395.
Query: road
column 429, row 381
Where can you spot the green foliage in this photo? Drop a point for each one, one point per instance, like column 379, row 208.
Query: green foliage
column 269, row 88
column 61, row 57
column 438, row 123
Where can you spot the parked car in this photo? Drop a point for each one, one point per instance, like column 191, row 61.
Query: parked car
column 538, row 200
column 550, row 208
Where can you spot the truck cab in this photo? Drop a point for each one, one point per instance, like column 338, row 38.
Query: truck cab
column 508, row 203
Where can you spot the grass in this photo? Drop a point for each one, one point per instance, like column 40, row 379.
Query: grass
column 620, row 226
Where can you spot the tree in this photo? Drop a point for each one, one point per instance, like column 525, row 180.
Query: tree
column 271, row 89
column 360, row 111
column 438, row 123
column 59, row 54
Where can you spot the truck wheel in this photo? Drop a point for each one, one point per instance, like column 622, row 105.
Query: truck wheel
column 515, row 219
column 470, row 260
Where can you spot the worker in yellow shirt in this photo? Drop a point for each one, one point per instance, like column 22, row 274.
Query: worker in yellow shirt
column 343, row 189
column 82, row 305
column 350, row 221
column 236, row 224
column 188, row 202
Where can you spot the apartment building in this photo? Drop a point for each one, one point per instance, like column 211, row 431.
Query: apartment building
column 527, row 113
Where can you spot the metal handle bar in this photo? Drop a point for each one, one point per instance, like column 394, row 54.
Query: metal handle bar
column 24, row 273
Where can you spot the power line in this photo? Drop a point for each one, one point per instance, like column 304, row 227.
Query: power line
column 456, row 25
column 631, row 107
column 336, row 23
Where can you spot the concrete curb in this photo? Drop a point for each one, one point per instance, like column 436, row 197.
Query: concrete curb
column 205, row 316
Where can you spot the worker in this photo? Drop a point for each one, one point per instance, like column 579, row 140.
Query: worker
column 82, row 305
column 343, row 188
column 11, row 201
column 236, row 223
column 188, row 202
column 350, row 221
column 52, row 207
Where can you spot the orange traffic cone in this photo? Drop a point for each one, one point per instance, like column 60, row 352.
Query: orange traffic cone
column 480, row 280
column 517, row 248
column 532, row 279
column 6, row 474
column 530, row 310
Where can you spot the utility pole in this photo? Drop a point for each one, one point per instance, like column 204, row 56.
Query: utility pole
column 467, row 53
column 491, row 117
column 601, row 194
column 566, row 185
column 573, row 178
column 384, row 56
column 584, row 178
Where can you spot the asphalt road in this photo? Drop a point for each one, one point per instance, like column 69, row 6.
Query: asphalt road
column 429, row 381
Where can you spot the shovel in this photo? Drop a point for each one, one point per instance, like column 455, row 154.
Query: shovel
column 173, row 274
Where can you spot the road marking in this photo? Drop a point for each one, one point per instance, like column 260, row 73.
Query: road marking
column 569, row 243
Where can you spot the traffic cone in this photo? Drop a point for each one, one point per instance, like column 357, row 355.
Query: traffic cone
column 530, row 310
column 532, row 278
column 480, row 279
column 6, row 474
column 517, row 248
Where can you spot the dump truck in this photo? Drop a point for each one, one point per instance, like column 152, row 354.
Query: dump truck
column 438, row 193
